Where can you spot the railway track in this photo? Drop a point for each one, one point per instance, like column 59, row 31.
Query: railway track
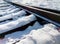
column 14, row 17
column 50, row 15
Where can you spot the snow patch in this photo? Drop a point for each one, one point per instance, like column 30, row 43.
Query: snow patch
column 41, row 36
column 52, row 4
column 17, row 23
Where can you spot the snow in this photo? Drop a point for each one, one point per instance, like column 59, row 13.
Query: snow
column 17, row 23
column 36, row 34
column 12, row 15
column 13, row 10
column 52, row 4
column 11, row 38
column 39, row 36
column 21, row 33
column 2, row 12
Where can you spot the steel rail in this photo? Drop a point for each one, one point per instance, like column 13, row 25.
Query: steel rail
column 45, row 14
